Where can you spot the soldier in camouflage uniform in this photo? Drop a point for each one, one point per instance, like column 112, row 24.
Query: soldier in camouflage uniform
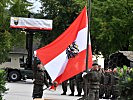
column 107, row 84
column 94, row 80
column 72, row 84
column 64, row 87
column 115, row 85
column 39, row 79
column 79, row 83
column 101, row 89
column 86, row 85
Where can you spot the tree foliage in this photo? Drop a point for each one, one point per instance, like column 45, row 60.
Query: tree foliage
column 111, row 22
column 5, row 45
column 62, row 12
column 19, row 8
column 111, row 26
column 2, row 83
column 9, row 37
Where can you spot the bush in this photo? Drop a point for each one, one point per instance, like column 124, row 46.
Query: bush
column 126, row 83
column 2, row 83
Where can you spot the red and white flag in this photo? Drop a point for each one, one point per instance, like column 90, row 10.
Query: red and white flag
column 65, row 57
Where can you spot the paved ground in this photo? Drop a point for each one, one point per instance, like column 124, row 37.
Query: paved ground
column 23, row 91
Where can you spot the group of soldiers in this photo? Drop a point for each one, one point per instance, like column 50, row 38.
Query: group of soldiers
column 96, row 84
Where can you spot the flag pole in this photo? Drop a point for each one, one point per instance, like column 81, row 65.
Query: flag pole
column 87, row 48
column 88, row 35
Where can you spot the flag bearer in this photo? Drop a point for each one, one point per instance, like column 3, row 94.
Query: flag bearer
column 39, row 79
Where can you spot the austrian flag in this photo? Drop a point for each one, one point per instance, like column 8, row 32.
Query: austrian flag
column 65, row 57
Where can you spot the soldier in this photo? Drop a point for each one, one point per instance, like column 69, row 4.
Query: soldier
column 64, row 87
column 107, row 84
column 115, row 85
column 94, row 80
column 79, row 83
column 72, row 84
column 85, row 84
column 101, row 89
column 39, row 79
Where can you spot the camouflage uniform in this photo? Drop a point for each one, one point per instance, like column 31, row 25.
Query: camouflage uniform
column 107, row 85
column 86, row 85
column 40, row 80
column 64, row 87
column 94, row 79
column 101, row 89
column 79, row 84
column 115, row 86
column 72, row 84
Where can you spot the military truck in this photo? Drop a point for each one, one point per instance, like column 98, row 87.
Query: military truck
column 15, row 66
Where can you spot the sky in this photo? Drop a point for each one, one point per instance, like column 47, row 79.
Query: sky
column 36, row 5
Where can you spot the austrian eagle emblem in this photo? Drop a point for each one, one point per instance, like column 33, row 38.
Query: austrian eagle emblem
column 72, row 50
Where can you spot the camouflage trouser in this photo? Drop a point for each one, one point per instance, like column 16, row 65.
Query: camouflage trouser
column 93, row 94
column 107, row 91
column 37, row 91
column 85, row 86
column 72, row 84
column 101, row 91
column 64, row 86
column 79, row 86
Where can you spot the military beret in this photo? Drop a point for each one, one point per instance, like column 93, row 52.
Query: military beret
column 94, row 64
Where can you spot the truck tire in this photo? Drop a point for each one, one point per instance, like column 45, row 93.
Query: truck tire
column 14, row 76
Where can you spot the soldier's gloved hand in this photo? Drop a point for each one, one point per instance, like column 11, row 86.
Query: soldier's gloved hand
column 84, row 73
column 49, row 88
column 50, row 83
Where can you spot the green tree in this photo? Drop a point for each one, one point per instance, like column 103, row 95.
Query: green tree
column 19, row 8
column 2, row 83
column 111, row 22
column 62, row 12
column 111, row 26
column 11, row 37
column 5, row 43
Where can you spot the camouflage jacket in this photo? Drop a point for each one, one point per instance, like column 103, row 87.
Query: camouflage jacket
column 39, row 75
